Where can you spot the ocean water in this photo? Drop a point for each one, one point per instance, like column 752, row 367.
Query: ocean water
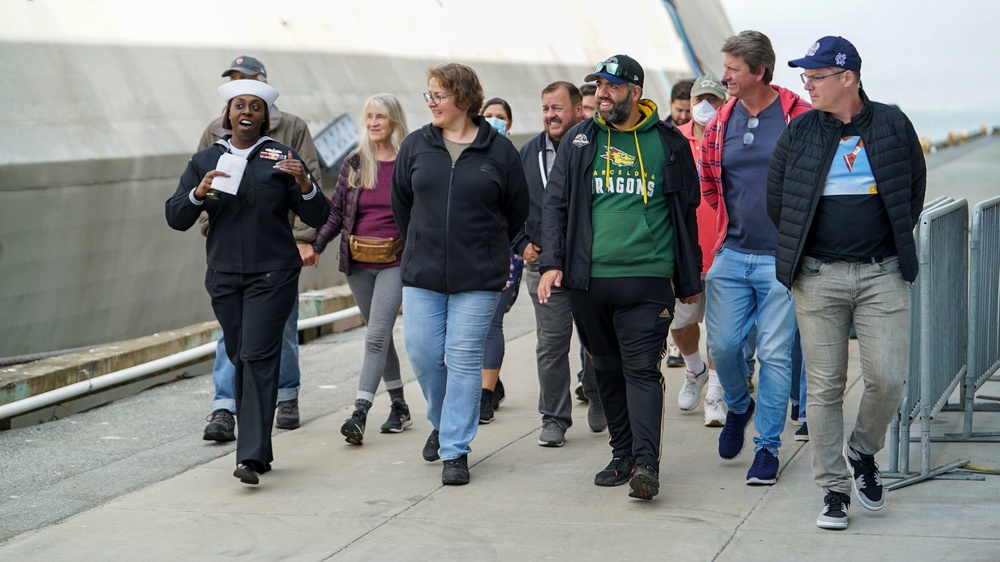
column 936, row 124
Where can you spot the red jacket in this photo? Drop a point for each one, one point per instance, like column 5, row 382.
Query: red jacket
column 705, row 213
column 710, row 164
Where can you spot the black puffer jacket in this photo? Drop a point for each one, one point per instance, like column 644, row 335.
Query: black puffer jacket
column 801, row 161
column 458, row 220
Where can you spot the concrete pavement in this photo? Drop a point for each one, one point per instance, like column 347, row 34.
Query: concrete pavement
column 326, row 499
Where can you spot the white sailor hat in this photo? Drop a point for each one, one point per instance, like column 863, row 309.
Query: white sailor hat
column 234, row 88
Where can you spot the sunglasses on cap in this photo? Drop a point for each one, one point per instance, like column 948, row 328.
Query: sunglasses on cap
column 614, row 69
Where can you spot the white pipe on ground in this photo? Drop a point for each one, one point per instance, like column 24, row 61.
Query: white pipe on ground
column 125, row 375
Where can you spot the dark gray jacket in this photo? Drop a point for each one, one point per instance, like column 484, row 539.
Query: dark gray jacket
column 801, row 161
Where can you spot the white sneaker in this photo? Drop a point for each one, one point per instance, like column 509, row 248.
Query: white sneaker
column 715, row 414
column 690, row 393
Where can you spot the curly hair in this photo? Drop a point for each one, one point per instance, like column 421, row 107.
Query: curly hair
column 463, row 83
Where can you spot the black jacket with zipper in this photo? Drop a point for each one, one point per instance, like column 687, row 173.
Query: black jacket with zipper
column 567, row 232
column 458, row 220
column 801, row 161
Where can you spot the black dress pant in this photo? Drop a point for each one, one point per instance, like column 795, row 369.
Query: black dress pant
column 252, row 309
column 623, row 322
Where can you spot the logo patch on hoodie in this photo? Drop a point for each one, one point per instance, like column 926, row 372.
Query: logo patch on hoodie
column 581, row 140
column 619, row 158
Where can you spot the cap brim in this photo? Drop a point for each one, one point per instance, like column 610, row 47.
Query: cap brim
column 807, row 63
column 242, row 69
column 609, row 77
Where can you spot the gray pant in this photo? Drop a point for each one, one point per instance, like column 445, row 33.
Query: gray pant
column 554, row 332
column 828, row 296
column 379, row 293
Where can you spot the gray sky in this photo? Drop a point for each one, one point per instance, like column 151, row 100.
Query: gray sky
column 924, row 56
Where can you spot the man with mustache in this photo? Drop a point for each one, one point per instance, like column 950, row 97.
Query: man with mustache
column 620, row 234
column 561, row 110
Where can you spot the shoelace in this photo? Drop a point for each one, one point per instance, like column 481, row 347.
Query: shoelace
column 834, row 502
column 869, row 471
column 763, row 461
column 286, row 407
column 218, row 417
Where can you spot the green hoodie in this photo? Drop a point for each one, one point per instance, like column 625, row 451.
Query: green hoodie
column 633, row 236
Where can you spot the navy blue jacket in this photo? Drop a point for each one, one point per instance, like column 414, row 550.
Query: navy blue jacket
column 250, row 231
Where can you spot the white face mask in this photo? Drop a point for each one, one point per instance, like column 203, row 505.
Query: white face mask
column 703, row 112
column 499, row 124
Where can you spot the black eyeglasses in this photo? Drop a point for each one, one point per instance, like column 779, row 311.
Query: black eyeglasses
column 612, row 68
column 751, row 125
column 814, row 79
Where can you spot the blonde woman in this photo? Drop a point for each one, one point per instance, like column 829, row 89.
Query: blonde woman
column 370, row 249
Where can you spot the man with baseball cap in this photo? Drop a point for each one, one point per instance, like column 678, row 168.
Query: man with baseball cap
column 291, row 131
column 845, row 188
column 619, row 232
column 707, row 96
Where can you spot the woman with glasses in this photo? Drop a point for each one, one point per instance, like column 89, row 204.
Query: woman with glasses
column 499, row 115
column 458, row 196
column 370, row 248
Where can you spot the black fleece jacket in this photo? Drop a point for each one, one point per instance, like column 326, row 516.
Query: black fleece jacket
column 458, row 220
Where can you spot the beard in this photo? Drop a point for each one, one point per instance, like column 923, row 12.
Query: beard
column 619, row 112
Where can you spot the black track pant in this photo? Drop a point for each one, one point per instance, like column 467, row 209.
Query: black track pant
column 252, row 309
column 623, row 323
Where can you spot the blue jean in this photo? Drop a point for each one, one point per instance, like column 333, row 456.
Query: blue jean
column 742, row 289
column 828, row 297
column 288, row 382
column 439, row 327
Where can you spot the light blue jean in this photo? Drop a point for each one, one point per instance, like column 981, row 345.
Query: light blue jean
column 223, row 371
column 439, row 328
column 742, row 289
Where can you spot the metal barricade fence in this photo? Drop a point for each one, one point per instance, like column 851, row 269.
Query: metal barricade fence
column 984, row 318
column 940, row 304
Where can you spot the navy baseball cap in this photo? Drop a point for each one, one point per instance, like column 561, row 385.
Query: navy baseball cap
column 247, row 65
column 830, row 51
column 618, row 69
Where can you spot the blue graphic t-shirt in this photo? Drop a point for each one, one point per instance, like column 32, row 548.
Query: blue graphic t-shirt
column 851, row 220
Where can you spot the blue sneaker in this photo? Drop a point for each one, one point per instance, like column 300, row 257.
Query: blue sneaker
column 732, row 438
column 764, row 470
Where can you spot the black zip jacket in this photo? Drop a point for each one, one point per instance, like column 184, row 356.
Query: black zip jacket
column 458, row 220
column 250, row 231
column 567, row 233
column 801, row 161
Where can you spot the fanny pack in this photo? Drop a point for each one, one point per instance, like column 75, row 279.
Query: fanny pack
column 368, row 249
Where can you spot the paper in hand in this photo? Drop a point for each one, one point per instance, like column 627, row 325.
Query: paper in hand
column 232, row 165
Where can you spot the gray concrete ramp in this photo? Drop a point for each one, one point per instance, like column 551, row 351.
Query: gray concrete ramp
column 326, row 499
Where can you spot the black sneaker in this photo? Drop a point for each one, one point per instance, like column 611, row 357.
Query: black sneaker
column 456, row 471
column 580, row 394
column 486, row 406
column 221, row 426
column 353, row 429
column 733, row 434
column 645, row 483
column 431, row 447
column 247, row 474
column 499, row 395
column 618, row 472
column 834, row 514
column 867, row 479
column 288, row 414
column 794, row 417
column 399, row 418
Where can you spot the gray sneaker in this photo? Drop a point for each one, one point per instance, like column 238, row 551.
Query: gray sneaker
column 595, row 417
column 552, row 435
column 288, row 414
